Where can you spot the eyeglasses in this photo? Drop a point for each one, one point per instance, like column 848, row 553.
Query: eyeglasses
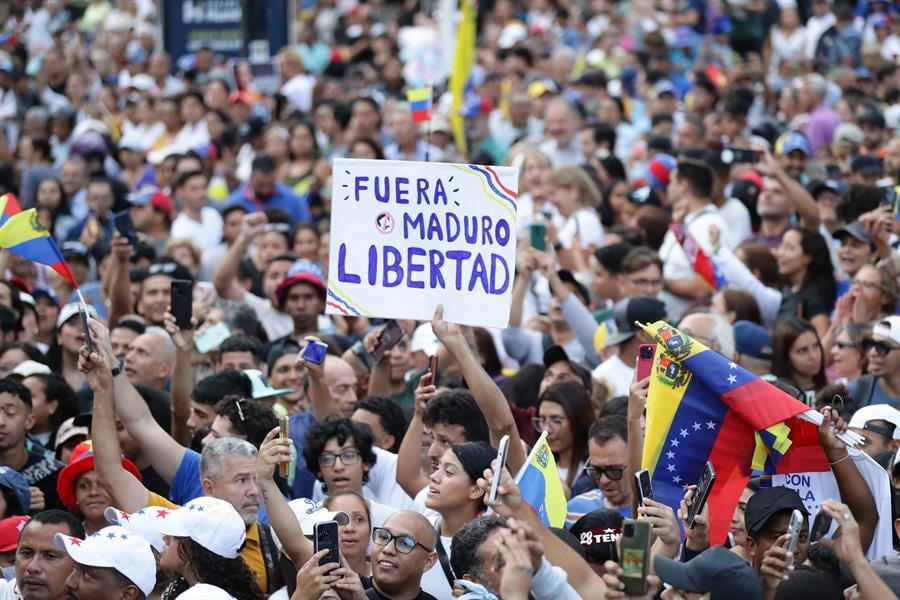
column 647, row 283
column 348, row 457
column 403, row 543
column 542, row 423
column 612, row 472
column 869, row 285
column 881, row 348
column 846, row 345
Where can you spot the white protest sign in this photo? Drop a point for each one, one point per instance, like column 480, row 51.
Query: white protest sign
column 407, row 236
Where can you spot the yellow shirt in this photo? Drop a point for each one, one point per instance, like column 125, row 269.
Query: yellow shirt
column 252, row 552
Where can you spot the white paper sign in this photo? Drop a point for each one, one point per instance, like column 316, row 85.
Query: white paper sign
column 407, row 236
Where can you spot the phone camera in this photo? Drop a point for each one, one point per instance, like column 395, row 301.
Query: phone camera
column 629, row 530
column 646, row 353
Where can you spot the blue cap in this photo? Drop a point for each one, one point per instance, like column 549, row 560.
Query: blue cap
column 14, row 482
column 793, row 140
column 752, row 339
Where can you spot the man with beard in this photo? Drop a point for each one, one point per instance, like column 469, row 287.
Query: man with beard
column 41, row 567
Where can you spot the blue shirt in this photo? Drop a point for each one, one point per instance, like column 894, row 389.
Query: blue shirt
column 879, row 396
column 304, row 480
column 283, row 197
column 590, row 501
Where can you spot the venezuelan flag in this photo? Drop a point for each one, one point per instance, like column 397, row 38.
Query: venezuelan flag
column 9, row 206
column 703, row 407
column 700, row 261
column 463, row 59
column 540, row 485
column 23, row 234
column 419, row 103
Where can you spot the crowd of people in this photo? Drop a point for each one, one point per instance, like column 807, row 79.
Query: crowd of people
column 145, row 458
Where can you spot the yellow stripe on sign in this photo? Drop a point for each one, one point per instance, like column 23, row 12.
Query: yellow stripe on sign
column 22, row 227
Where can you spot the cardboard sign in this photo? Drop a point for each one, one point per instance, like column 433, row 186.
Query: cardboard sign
column 407, row 236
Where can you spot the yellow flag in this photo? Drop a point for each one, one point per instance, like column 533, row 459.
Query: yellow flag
column 463, row 59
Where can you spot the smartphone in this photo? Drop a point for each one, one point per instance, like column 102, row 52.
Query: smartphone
column 389, row 337
column 432, row 370
column 644, row 366
column 707, row 479
column 182, row 302
column 326, row 538
column 284, row 424
column 890, row 198
column 635, row 556
column 735, row 155
column 125, row 226
column 314, row 352
column 87, row 329
column 794, row 526
column 644, row 489
column 212, row 338
column 502, row 451
column 820, row 527
column 539, row 236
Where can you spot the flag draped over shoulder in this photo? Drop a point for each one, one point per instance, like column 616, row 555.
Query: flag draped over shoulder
column 463, row 59
column 540, row 485
column 419, row 103
column 703, row 407
column 23, row 234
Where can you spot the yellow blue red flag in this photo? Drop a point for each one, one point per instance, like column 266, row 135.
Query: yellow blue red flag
column 23, row 234
column 540, row 485
column 702, row 407
column 419, row 103
column 463, row 59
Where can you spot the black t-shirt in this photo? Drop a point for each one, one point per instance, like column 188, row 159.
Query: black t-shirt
column 373, row 594
column 42, row 470
column 809, row 302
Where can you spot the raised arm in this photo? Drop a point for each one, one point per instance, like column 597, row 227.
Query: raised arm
column 165, row 453
column 120, row 302
column 487, row 395
column 282, row 519
column 801, row 200
column 380, row 376
column 525, row 266
column 182, row 378
column 128, row 493
column 225, row 275
column 322, row 404
column 409, row 459
column 579, row 317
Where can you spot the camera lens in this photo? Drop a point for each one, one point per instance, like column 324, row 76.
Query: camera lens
column 629, row 530
column 646, row 352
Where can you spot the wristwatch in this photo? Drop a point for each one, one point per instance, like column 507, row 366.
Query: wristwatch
column 117, row 369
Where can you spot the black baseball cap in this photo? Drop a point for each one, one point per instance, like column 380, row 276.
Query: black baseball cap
column 717, row 571
column 866, row 164
column 557, row 353
column 768, row 501
column 628, row 310
column 566, row 276
column 855, row 230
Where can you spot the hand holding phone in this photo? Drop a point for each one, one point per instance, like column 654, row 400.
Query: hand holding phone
column 182, row 302
column 644, row 488
column 326, row 538
column 431, row 377
column 707, row 479
column 502, row 451
column 125, row 226
column 389, row 337
column 794, row 527
column 635, row 556
column 314, row 352
column 539, row 236
column 284, row 424
column 87, row 329
column 820, row 527
column 644, row 366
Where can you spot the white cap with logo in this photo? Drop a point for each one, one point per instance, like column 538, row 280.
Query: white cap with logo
column 888, row 327
column 116, row 548
column 211, row 522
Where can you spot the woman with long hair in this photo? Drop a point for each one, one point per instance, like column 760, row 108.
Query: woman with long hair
column 305, row 161
column 575, row 196
column 798, row 357
column 616, row 207
column 203, row 543
column 53, row 208
column 565, row 412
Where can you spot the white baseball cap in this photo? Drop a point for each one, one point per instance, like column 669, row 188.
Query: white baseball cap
column 205, row 591
column 211, row 522
column 140, row 522
column 116, row 548
column 27, row 368
column 309, row 513
column 877, row 412
column 424, row 340
column 888, row 327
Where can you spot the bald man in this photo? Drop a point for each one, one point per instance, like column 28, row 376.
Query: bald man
column 150, row 359
column 711, row 330
column 402, row 550
column 340, row 378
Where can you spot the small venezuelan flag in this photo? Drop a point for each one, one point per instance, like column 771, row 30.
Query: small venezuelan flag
column 23, row 234
column 9, row 206
column 419, row 103
column 540, row 485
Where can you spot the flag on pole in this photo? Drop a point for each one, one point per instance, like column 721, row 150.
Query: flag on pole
column 702, row 407
column 700, row 260
column 9, row 206
column 23, row 234
column 419, row 103
column 540, row 485
column 463, row 59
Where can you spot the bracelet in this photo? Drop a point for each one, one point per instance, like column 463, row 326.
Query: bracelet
column 845, row 457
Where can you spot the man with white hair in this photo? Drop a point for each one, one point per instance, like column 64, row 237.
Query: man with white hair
column 561, row 125
column 150, row 359
column 711, row 330
column 822, row 120
column 407, row 144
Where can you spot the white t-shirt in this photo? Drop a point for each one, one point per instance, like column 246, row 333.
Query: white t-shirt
column 299, row 91
column 382, row 486
column 586, row 223
column 434, row 581
column 276, row 323
column 207, row 233
column 737, row 216
column 616, row 374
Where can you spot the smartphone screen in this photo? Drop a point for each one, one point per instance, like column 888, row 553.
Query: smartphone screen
column 644, row 364
column 87, row 329
column 498, row 471
column 182, row 302
column 634, row 555
column 326, row 538
column 125, row 226
column 644, row 488
column 539, row 236
column 315, row 352
column 820, row 527
column 389, row 337
column 707, row 478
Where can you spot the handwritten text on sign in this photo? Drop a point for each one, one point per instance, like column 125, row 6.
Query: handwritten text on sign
column 407, row 236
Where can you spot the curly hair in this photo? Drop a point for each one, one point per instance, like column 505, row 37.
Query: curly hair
column 342, row 429
column 252, row 419
column 390, row 415
column 457, row 407
column 231, row 574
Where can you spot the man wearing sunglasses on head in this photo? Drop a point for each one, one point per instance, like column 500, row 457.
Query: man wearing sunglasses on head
column 881, row 385
column 608, row 466
column 402, row 550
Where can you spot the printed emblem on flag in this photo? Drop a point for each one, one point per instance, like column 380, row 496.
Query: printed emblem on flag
column 678, row 345
column 543, row 456
column 671, row 373
column 36, row 223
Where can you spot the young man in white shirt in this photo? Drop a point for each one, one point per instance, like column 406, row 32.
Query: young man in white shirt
column 197, row 222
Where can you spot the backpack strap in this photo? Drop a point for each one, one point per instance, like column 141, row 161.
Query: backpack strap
column 270, row 554
column 442, row 555
column 865, row 387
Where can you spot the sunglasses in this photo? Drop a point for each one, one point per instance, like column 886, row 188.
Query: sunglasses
column 612, row 472
column 881, row 348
